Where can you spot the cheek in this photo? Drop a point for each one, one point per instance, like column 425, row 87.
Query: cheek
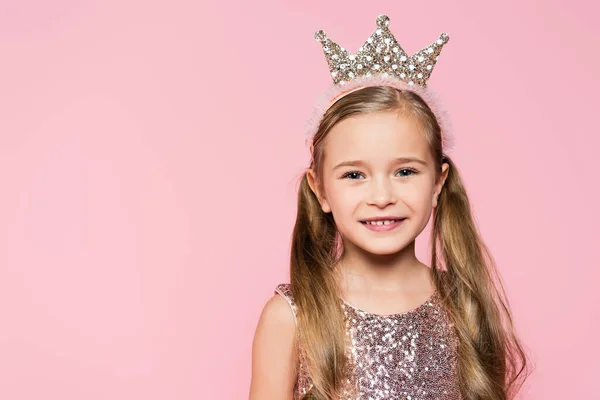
column 344, row 201
column 347, row 202
column 419, row 193
column 419, row 198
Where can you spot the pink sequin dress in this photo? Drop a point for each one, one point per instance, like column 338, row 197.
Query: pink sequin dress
column 408, row 356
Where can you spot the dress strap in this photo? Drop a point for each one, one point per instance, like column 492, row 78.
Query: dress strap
column 285, row 290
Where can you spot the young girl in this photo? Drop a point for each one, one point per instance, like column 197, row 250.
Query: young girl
column 362, row 317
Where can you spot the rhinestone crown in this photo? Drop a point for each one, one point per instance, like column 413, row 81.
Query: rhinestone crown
column 381, row 54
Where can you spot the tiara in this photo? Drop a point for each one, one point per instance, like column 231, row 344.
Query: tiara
column 381, row 54
column 380, row 61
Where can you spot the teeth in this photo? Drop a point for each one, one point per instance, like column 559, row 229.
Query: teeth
column 386, row 222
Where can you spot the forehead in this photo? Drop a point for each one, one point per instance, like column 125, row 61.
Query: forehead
column 376, row 137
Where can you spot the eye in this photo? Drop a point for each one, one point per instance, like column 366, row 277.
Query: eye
column 411, row 170
column 352, row 174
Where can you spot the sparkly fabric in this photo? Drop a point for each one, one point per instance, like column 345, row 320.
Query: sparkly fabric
column 408, row 356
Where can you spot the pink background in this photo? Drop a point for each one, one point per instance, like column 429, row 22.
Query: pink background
column 149, row 156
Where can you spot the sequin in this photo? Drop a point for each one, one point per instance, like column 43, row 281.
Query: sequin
column 405, row 356
column 377, row 52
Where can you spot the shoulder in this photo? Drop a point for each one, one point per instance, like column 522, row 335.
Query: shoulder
column 280, row 307
column 278, row 319
column 274, row 354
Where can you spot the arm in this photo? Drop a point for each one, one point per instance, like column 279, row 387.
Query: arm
column 274, row 352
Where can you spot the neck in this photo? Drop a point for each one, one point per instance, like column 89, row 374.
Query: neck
column 387, row 272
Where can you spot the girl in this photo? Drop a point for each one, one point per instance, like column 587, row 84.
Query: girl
column 362, row 317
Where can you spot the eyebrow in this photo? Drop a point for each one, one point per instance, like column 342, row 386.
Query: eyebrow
column 353, row 163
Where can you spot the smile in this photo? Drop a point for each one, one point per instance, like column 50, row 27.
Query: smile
column 381, row 226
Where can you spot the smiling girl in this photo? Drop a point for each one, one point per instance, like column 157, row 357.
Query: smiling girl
column 362, row 317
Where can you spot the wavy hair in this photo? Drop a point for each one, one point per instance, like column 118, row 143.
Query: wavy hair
column 492, row 364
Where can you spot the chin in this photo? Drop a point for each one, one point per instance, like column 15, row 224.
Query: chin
column 383, row 250
column 382, row 247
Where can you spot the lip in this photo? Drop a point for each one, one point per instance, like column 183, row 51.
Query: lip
column 385, row 218
column 383, row 228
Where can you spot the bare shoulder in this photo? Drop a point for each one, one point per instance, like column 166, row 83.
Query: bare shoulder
column 274, row 354
column 277, row 312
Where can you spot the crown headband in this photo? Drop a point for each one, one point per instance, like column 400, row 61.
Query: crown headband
column 380, row 61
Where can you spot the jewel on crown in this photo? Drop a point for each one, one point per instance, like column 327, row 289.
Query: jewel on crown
column 381, row 54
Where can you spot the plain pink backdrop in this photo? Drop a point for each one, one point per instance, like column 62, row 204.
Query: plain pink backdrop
column 149, row 157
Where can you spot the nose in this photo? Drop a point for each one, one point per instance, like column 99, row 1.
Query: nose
column 381, row 192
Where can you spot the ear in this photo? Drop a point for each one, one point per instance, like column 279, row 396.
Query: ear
column 440, row 183
column 315, row 187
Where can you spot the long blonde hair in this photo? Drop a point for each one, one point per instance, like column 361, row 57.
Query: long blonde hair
column 491, row 361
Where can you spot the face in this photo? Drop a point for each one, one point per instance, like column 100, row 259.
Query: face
column 376, row 165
